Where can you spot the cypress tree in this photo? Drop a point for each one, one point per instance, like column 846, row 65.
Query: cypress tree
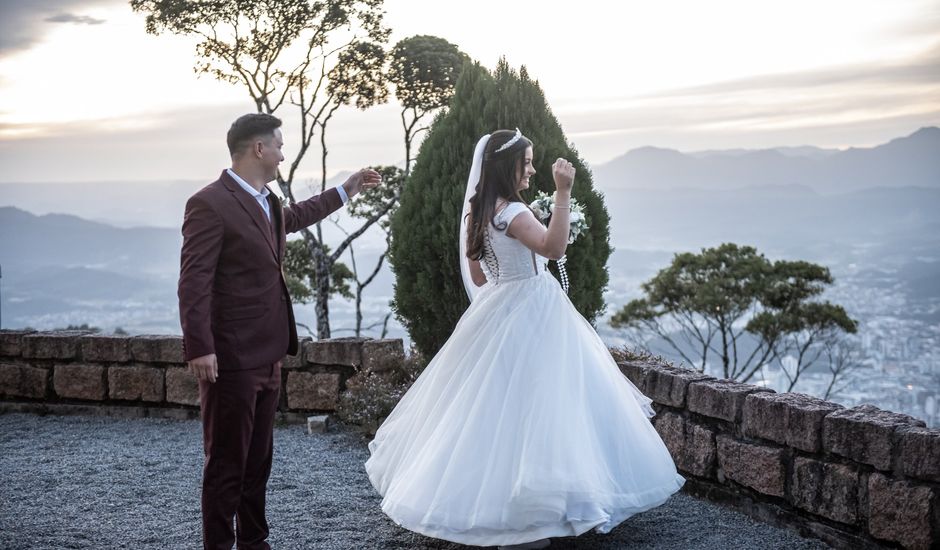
column 429, row 293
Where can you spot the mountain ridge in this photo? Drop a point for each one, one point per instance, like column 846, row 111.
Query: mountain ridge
column 902, row 161
column 72, row 241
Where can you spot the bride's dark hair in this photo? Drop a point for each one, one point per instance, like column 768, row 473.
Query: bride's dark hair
column 499, row 177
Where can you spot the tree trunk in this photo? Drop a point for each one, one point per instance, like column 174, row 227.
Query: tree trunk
column 725, row 359
column 385, row 324
column 407, row 127
column 407, row 155
column 322, row 271
column 323, row 264
column 359, row 311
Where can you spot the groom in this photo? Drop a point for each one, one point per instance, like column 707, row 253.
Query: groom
column 238, row 322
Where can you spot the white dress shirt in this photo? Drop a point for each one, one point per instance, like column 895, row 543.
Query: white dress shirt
column 261, row 197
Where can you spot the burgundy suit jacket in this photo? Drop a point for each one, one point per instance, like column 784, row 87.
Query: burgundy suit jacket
column 233, row 298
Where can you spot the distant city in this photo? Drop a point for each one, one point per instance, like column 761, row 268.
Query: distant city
column 900, row 345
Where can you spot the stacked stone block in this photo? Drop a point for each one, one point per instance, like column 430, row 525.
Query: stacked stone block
column 146, row 375
column 857, row 477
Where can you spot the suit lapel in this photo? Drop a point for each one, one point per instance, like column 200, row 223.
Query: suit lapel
column 277, row 217
column 253, row 209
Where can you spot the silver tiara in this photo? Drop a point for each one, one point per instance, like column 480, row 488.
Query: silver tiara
column 510, row 143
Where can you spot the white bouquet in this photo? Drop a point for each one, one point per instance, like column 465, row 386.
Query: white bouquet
column 543, row 206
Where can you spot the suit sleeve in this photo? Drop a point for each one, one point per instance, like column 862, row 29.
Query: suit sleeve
column 202, row 243
column 308, row 212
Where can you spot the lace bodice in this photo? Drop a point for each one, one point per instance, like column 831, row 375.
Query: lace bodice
column 505, row 258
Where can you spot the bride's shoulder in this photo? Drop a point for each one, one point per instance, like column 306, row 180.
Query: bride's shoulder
column 506, row 213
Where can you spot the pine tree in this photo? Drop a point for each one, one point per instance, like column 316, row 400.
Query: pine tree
column 429, row 293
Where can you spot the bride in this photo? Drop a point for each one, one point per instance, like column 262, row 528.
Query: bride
column 522, row 427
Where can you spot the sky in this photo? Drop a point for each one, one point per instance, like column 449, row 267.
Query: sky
column 87, row 95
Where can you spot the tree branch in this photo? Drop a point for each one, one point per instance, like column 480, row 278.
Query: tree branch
column 375, row 217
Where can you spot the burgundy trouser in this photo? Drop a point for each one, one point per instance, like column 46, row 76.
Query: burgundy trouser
column 238, row 412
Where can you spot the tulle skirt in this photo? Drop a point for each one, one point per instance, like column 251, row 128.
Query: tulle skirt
column 522, row 427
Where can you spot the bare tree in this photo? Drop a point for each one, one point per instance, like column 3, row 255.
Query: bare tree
column 843, row 356
column 288, row 54
column 393, row 180
column 813, row 330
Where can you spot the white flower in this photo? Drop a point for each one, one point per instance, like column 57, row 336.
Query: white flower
column 544, row 205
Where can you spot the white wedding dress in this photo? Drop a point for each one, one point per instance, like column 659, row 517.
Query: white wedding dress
column 522, row 427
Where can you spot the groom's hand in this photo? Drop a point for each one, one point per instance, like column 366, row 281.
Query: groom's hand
column 205, row 367
column 362, row 180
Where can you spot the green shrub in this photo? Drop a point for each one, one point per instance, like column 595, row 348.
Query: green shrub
column 429, row 294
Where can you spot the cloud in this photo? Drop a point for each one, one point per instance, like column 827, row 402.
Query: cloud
column 835, row 106
column 72, row 18
column 927, row 23
column 919, row 69
column 182, row 143
column 24, row 22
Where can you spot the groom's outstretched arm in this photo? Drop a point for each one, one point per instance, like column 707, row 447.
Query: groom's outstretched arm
column 308, row 212
column 202, row 243
column 316, row 208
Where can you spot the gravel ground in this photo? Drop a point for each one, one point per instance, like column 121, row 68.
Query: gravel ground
column 83, row 482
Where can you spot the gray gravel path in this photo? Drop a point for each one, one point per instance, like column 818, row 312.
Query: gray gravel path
column 83, row 482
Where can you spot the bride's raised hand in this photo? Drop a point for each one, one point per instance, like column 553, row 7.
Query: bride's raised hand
column 563, row 173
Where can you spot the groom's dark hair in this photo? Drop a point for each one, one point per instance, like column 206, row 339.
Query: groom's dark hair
column 249, row 127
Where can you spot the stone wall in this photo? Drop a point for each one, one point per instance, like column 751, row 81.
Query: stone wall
column 856, row 478
column 80, row 372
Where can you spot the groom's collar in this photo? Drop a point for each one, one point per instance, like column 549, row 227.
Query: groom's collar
column 246, row 186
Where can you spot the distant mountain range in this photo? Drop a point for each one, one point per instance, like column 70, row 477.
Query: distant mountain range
column 120, row 203
column 902, row 162
column 59, row 269
column 872, row 208
column 878, row 223
column 908, row 161
column 33, row 242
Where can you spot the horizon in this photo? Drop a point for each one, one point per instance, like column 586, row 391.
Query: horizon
column 339, row 173
column 861, row 74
